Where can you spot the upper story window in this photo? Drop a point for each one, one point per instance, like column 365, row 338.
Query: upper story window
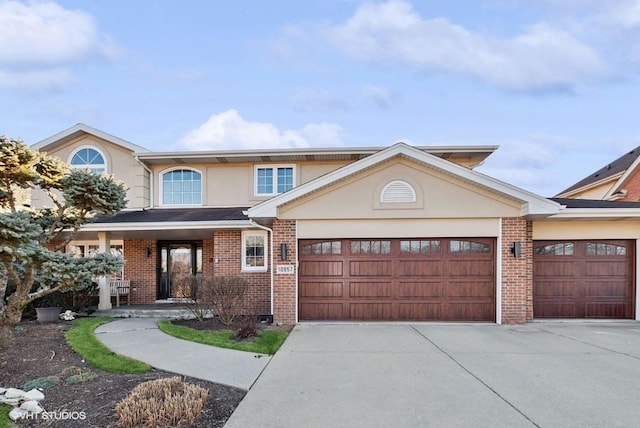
column 182, row 187
column 273, row 180
column 88, row 158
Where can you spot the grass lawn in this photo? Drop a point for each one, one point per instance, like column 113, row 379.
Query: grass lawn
column 267, row 342
column 82, row 340
column 5, row 421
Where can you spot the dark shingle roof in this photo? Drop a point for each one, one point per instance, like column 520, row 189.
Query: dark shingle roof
column 594, row 203
column 176, row 214
column 612, row 168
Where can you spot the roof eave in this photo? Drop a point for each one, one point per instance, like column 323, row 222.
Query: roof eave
column 596, row 213
column 80, row 128
column 164, row 225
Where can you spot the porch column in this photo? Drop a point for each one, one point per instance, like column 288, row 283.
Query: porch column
column 104, row 245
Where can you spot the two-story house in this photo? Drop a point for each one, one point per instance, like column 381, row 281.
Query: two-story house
column 396, row 233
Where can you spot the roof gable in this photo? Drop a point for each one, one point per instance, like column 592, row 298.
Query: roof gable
column 79, row 129
column 615, row 171
column 533, row 205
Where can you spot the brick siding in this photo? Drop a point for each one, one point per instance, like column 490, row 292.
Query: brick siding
column 517, row 273
column 284, row 286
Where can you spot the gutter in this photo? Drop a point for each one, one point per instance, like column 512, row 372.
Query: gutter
column 271, row 267
column 151, row 190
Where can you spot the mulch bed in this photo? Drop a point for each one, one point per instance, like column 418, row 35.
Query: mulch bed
column 39, row 350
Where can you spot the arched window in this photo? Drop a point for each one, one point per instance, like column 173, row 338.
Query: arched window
column 398, row 191
column 88, row 158
column 182, row 187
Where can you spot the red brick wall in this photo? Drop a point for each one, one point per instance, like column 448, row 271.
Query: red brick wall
column 632, row 186
column 227, row 261
column 140, row 269
column 284, row 293
column 517, row 273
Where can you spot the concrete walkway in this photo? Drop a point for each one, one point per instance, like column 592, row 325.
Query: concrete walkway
column 141, row 339
column 431, row 375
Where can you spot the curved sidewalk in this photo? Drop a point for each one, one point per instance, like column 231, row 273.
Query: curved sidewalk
column 141, row 339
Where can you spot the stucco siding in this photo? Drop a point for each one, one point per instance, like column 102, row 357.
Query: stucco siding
column 119, row 162
column 398, row 228
column 438, row 196
column 553, row 230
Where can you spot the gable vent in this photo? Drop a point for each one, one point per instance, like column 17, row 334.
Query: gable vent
column 398, row 191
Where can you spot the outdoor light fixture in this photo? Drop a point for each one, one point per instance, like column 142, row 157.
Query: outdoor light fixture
column 516, row 249
column 148, row 251
column 283, row 252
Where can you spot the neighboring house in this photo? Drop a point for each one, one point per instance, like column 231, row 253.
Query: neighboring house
column 618, row 180
column 395, row 233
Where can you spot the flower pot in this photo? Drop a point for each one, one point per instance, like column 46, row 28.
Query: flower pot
column 48, row 314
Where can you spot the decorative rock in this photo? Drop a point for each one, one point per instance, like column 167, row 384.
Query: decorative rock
column 17, row 413
column 32, row 406
column 33, row 395
column 9, row 401
column 67, row 315
column 13, row 393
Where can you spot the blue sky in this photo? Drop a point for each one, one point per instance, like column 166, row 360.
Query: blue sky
column 553, row 82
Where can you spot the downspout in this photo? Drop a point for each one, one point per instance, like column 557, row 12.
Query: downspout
column 151, row 190
column 271, row 267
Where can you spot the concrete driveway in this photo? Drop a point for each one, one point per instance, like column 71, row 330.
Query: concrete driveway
column 421, row 375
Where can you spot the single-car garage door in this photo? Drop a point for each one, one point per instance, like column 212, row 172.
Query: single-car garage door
column 583, row 279
column 397, row 279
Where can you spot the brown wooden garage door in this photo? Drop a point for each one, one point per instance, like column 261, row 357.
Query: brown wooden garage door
column 397, row 279
column 583, row 279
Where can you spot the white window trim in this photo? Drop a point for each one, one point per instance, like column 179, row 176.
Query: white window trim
column 86, row 146
column 263, row 234
column 177, row 168
column 274, row 169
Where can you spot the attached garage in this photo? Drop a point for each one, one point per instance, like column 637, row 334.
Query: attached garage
column 583, row 279
column 417, row 279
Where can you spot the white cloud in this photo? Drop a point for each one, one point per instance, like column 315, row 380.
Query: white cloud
column 309, row 100
column 541, row 58
column 229, row 130
column 41, row 40
column 36, row 79
column 382, row 97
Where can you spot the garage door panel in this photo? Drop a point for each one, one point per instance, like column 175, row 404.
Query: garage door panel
column 384, row 280
column 556, row 289
column 321, row 289
column 321, row 268
column 376, row 268
column 419, row 289
column 584, row 279
column 561, row 268
column 322, row 311
column 470, row 268
column 370, row 311
column 370, row 289
column 609, row 289
column 471, row 289
column 421, row 268
column 469, row 311
column 607, row 268
column 420, row 311
column 553, row 309
column 605, row 310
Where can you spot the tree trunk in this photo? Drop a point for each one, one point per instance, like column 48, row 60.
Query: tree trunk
column 10, row 318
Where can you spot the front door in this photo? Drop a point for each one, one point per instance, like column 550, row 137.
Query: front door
column 177, row 260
